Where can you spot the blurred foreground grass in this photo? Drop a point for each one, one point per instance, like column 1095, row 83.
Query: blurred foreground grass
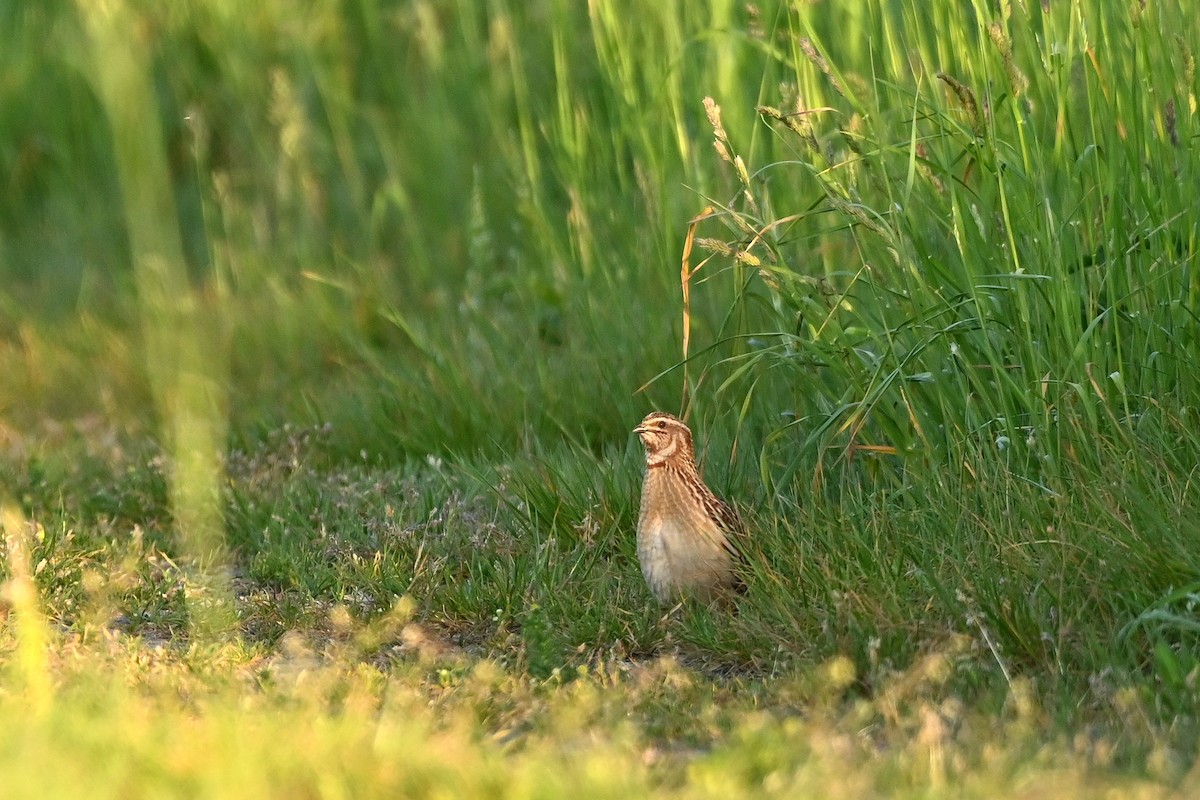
column 322, row 333
column 424, row 720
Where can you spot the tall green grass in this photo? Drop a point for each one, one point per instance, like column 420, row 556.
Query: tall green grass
column 430, row 206
column 963, row 273
column 977, row 230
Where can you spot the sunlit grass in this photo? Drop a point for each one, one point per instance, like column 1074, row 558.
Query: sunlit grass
column 126, row 720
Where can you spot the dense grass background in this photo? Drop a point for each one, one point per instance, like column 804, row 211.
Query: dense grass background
column 323, row 329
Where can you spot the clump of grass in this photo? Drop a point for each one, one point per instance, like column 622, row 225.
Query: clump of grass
column 966, row 254
column 952, row 285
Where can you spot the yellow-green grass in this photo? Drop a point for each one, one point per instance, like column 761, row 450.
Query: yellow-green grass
column 312, row 719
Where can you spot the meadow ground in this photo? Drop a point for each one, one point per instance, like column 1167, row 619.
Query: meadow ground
column 322, row 335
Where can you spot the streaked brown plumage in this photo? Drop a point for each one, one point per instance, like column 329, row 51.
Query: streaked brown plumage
column 684, row 530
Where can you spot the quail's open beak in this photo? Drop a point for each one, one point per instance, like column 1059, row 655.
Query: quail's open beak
column 640, row 429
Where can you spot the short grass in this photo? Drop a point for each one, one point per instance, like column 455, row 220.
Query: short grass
column 323, row 334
